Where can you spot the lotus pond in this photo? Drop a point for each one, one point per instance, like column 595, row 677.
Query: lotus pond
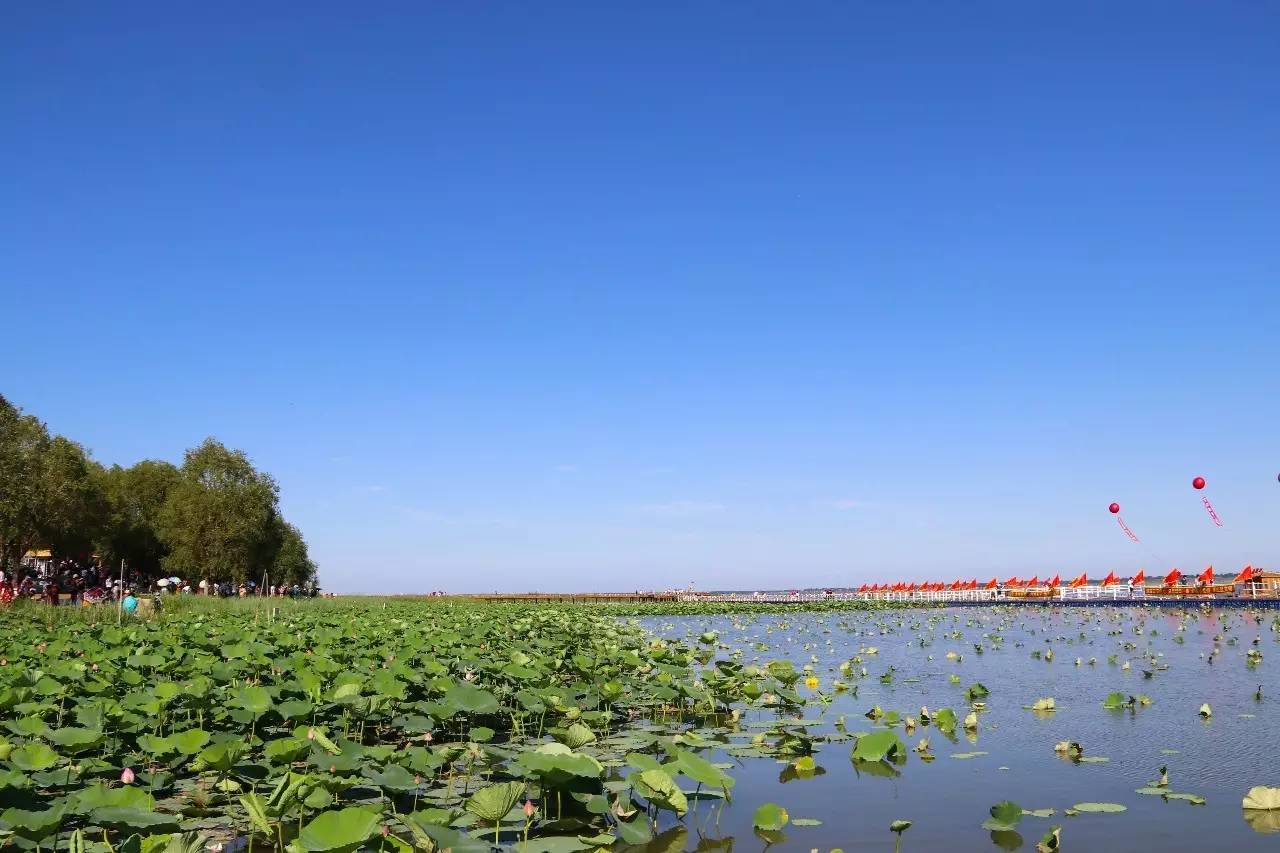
column 422, row 725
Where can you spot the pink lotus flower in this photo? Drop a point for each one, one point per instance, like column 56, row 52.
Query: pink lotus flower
column 127, row 776
column 528, row 808
column 311, row 734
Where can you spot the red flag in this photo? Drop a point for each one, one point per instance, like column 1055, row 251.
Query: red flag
column 1055, row 582
column 1034, row 580
column 1081, row 581
column 862, row 588
column 973, row 584
column 1206, row 576
column 1013, row 581
column 1172, row 578
column 955, row 585
column 1245, row 576
column 993, row 583
column 912, row 587
column 1140, row 576
column 1110, row 579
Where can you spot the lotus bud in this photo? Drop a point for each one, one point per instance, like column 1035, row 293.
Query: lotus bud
column 311, row 734
column 127, row 776
column 386, row 830
column 528, row 808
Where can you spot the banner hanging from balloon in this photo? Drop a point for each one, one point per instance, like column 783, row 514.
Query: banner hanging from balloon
column 1198, row 484
column 1115, row 510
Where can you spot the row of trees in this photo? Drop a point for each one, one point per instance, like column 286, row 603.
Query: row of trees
column 214, row 517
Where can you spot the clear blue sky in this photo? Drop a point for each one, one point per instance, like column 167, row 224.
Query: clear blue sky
column 572, row 296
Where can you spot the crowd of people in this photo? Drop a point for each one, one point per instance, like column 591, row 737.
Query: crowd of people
column 67, row 582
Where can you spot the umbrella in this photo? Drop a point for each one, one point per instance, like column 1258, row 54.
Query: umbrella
column 162, row 582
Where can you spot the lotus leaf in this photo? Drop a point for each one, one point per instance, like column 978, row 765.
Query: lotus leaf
column 338, row 831
column 1263, row 798
column 1005, row 815
column 661, row 790
column 770, row 817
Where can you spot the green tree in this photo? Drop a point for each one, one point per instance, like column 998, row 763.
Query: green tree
column 292, row 564
column 219, row 519
column 135, row 498
column 23, row 441
column 72, row 507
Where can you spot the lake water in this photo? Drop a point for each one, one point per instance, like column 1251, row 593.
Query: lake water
column 948, row 799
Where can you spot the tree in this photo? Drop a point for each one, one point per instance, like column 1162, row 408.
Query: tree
column 135, row 499
column 292, row 563
column 72, row 507
column 219, row 519
column 23, row 440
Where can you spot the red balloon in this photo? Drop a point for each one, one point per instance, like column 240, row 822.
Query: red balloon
column 1114, row 508
column 1198, row 482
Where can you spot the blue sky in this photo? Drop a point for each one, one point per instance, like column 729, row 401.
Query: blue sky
column 577, row 296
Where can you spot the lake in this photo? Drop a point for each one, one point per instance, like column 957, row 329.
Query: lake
column 947, row 799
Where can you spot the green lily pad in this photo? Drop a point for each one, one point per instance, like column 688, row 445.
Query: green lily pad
column 770, row 817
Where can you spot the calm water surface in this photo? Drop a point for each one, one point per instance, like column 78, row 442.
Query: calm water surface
column 948, row 799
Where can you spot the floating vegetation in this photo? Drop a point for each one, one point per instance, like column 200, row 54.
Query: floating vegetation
column 336, row 726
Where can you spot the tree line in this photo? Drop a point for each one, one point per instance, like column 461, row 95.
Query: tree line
column 213, row 517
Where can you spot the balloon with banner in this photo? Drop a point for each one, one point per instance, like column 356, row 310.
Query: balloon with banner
column 1115, row 510
column 1198, row 484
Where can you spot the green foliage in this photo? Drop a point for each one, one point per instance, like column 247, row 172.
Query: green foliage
column 1005, row 815
column 219, row 520
column 135, row 498
column 770, row 817
column 492, row 802
column 215, row 518
column 50, row 491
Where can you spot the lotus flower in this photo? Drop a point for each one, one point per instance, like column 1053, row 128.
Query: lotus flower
column 528, row 808
column 127, row 776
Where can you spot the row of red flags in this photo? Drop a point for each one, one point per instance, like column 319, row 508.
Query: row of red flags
column 939, row 586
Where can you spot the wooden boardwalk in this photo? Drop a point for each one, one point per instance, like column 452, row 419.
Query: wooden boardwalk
column 574, row 597
column 1085, row 595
